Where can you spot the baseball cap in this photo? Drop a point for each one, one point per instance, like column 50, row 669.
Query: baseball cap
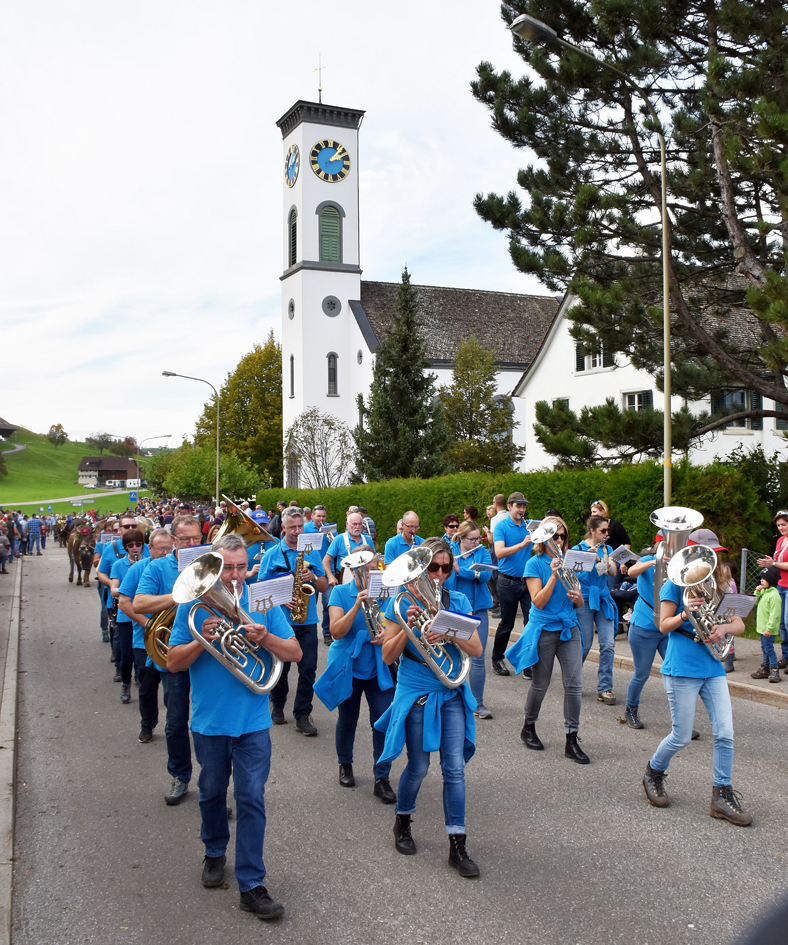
column 260, row 517
column 705, row 536
column 517, row 497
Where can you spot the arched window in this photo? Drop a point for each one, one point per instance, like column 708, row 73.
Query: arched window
column 330, row 235
column 292, row 376
column 332, row 375
column 292, row 238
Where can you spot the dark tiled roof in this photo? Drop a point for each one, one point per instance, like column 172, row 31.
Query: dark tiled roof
column 511, row 325
column 124, row 464
column 6, row 428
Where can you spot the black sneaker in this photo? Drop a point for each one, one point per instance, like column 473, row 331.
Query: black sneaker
column 213, row 871
column 278, row 716
column 304, row 724
column 146, row 734
column 116, row 677
column 258, row 901
column 500, row 668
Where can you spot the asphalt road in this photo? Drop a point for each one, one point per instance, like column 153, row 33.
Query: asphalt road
column 570, row 855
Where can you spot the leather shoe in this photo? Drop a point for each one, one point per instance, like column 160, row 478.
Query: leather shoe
column 531, row 739
column 384, row 792
column 213, row 871
column 574, row 751
column 346, row 778
column 258, row 900
column 499, row 667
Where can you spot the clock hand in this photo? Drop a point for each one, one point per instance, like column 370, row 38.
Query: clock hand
column 338, row 155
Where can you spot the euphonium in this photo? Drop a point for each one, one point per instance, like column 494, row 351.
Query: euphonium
column 373, row 618
column 301, row 592
column 545, row 533
column 254, row 666
column 693, row 569
column 240, row 522
column 410, row 571
column 676, row 524
column 157, row 635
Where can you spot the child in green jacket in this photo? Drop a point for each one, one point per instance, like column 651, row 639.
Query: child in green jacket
column 767, row 623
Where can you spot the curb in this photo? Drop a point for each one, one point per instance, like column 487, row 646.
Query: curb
column 8, row 710
column 741, row 690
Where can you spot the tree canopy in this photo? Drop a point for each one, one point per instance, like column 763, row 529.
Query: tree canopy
column 586, row 214
column 480, row 423
column 323, row 447
column 250, row 420
column 402, row 432
column 57, row 436
column 189, row 472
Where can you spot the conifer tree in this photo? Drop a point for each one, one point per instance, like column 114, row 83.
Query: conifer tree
column 402, row 432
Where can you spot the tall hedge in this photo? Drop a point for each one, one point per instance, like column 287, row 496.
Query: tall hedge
column 727, row 498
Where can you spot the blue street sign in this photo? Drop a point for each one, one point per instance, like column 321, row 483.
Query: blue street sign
column 49, row 507
column 132, row 497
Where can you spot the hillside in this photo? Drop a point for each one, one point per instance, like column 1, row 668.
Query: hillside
column 41, row 471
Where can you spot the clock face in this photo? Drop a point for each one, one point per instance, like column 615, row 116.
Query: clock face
column 292, row 163
column 330, row 161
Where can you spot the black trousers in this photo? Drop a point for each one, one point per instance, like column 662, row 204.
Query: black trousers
column 512, row 592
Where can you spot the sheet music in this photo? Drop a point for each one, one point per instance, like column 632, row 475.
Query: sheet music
column 187, row 555
column 623, row 555
column 265, row 595
column 309, row 541
column 328, row 529
column 735, row 605
column 479, row 566
column 105, row 537
column 580, row 560
column 376, row 589
column 532, row 524
column 455, row 626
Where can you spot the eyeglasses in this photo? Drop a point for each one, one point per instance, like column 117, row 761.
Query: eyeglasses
column 603, row 531
column 434, row 568
column 134, row 544
column 472, row 540
column 188, row 540
column 413, row 528
column 230, row 568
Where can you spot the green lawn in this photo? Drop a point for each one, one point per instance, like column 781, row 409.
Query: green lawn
column 43, row 472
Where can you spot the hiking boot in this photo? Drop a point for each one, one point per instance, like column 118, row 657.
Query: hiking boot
column 403, row 839
column 458, row 856
column 304, row 724
column 654, row 786
column 606, row 696
column 760, row 673
column 632, row 718
column 726, row 805
column 213, row 871
column 178, row 790
column 531, row 739
column 258, row 901
column 774, row 675
column 574, row 751
column 782, row 664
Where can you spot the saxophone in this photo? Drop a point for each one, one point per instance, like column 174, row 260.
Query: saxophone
column 301, row 592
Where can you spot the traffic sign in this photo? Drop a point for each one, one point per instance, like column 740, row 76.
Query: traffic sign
column 132, row 497
column 49, row 508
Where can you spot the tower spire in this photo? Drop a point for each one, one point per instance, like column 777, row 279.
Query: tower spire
column 319, row 72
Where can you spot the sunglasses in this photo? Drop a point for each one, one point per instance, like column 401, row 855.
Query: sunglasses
column 434, row 568
column 128, row 526
column 134, row 544
column 562, row 536
column 452, row 527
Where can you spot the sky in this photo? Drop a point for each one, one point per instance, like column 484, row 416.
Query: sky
column 141, row 183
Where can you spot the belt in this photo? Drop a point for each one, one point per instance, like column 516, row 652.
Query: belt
column 509, row 576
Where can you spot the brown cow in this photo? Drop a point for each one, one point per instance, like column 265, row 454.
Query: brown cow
column 81, row 543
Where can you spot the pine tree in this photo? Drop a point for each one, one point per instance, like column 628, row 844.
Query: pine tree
column 402, row 432
column 479, row 423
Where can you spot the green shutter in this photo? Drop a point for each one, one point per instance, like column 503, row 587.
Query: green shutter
column 717, row 401
column 780, row 423
column 330, row 235
column 647, row 398
column 608, row 360
column 580, row 358
column 757, row 404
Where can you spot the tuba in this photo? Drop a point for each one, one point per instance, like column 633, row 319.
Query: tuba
column 257, row 669
column 676, row 523
column 544, row 534
column 693, row 569
column 240, row 522
column 157, row 635
column 373, row 618
column 410, row 571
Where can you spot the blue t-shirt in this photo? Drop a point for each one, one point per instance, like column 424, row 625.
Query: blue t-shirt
column 685, row 657
column 397, row 546
column 344, row 596
column 510, row 534
column 559, row 604
column 589, row 579
column 338, row 549
column 473, row 584
column 128, row 587
column 275, row 563
column 326, row 543
column 111, row 552
column 119, row 571
column 222, row 704
column 643, row 611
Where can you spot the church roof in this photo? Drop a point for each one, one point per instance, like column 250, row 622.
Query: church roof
column 507, row 323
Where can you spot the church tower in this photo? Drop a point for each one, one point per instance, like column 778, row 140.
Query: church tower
column 322, row 346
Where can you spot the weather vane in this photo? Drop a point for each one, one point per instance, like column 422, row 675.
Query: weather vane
column 319, row 72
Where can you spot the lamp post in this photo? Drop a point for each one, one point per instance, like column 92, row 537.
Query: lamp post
column 203, row 381
column 164, row 436
column 532, row 30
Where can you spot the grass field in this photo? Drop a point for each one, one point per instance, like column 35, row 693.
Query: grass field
column 43, row 472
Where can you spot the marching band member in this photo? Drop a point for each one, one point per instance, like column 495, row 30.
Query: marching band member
column 230, row 727
column 427, row 716
column 474, row 585
column 281, row 558
column 317, row 521
column 408, row 538
column 552, row 632
column 598, row 606
column 645, row 639
column 352, row 539
column 689, row 670
column 133, row 542
column 354, row 668
column 512, row 551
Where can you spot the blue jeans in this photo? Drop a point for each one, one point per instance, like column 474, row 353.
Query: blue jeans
column 306, row 635
column 645, row 644
column 34, row 540
column 784, row 619
column 767, row 650
column 452, row 763
column 248, row 758
column 607, row 647
column 683, row 692
column 478, row 672
column 512, row 592
column 176, row 688
column 378, row 701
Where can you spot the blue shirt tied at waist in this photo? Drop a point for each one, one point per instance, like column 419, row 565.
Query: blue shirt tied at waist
column 414, row 680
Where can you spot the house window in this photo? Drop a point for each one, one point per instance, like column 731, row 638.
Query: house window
column 292, row 238
column 330, row 235
column 332, row 374
column 639, row 400
column 292, row 376
column 587, row 362
column 737, row 400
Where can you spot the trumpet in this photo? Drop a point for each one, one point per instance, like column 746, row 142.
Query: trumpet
column 544, row 533
column 693, row 569
column 254, row 666
column 357, row 562
column 410, row 571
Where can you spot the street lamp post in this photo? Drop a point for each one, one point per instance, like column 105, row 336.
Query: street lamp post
column 203, row 381
column 164, row 436
column 532, row 30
